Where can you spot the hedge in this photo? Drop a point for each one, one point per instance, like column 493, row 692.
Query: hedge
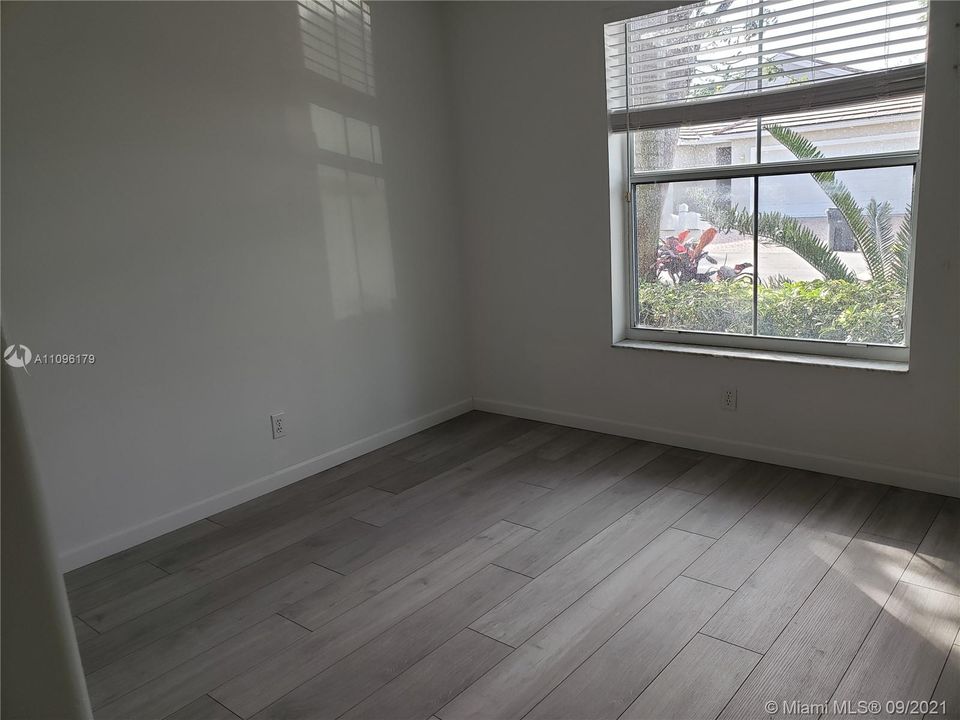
column 817, row 309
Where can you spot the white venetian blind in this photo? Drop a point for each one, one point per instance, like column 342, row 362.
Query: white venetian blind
column 728, row 59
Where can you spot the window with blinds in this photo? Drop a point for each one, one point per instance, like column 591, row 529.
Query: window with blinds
column 770, row 150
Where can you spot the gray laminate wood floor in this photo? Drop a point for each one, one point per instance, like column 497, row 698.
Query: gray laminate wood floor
column 492, row 567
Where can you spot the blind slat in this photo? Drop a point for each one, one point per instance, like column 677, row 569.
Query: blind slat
column 763, row 78
column 908, row 31
column 819, row 11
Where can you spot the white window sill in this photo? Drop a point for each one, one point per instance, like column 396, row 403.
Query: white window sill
column 768, row 355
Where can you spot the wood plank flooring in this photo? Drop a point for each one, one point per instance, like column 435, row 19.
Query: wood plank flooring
column 492, row 567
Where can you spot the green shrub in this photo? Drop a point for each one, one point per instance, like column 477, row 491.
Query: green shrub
column 837, row 310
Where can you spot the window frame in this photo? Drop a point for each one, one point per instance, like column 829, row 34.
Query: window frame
column 758, row 169
column 624, row 117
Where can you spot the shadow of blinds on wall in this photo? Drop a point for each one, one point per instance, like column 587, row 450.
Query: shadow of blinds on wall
column 337, row 42
column 721, row 60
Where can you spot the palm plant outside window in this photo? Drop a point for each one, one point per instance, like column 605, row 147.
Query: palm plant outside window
column 771, row 150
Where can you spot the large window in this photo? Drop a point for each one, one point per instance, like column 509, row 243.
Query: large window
column 769, row 152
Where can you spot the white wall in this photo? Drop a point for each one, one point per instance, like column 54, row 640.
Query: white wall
column 167, row 207
column 530, row 104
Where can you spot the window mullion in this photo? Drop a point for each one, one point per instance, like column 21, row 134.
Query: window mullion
column 790, row 167
column 756, row 246
column 756, row 223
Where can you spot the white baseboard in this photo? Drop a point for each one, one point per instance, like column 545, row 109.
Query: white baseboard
column 846, row 467
column 150, row 529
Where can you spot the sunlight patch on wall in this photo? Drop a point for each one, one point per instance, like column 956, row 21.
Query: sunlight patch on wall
column 357, row 235
column 336, row 39
column 344, row 135
column 355, row 219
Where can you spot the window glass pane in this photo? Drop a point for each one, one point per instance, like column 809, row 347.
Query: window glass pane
column 864, row 129
column 690, row 275
column 833, row 255
column 695, row 146
column 868, row 128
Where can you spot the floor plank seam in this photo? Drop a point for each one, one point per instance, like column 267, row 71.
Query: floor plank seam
column 174, row 630
column 152, row 564
column 223, row 706
column 742, row 682
column 314, row 562
column 375, row 637
column 241, row 672
column 590, row 655
column 595, row 495
column 926, row 587
column 774, row 549
column 675, row 656
column 812, row 591
column 333, row 664
column 366, row 522
column 940, row 508
column 881, row 536
column 513, row 571
column 886, row 540
column 759, row 500
column 690, row 564
column 519, row 525
column 946, row 660
column 598, row 532
column 173, row 667
column 105, row 578
column 499, row 642
column 708, row 537
column 146, row 682
column 205, row 583
column 280, row 613
column 876, row 619
column 818, row 583
column 80, row 620
column 722, row 605
column 707, row 582
column 613, row 521
column 636, row 551
column 713, row 637
column 527, row 482
column 747, row 512
column 394, row 492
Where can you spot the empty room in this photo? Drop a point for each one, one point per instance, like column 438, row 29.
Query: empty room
column 480, row 360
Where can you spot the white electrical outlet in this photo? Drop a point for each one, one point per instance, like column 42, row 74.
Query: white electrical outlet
column 278, row 425
column 728, row 398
